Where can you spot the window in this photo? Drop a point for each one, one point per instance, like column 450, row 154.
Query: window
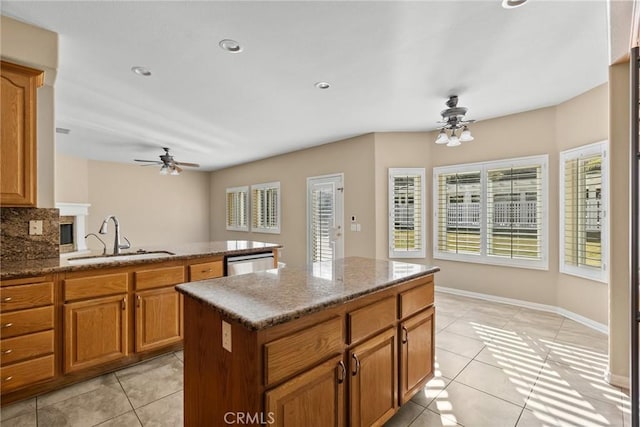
column 265, row 208
column 492, row 212
column 238, row 209
column 406, row 213
column 583, row 205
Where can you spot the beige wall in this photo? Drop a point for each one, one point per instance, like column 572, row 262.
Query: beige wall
column 72, row 179
column 619, row 309
column 152, row 209
column 38, row 48
column 352, row 157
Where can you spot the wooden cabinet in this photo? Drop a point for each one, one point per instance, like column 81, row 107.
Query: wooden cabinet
column 18, row 148
column 416, row 353
column 206, row 270
column 312, row 399
column 158, row 318
column 95, row 332
column 27, row 332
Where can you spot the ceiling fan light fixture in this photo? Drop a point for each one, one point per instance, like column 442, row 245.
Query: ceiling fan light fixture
column 453, row 119
column 466, row 136
column 164, row 170
column 442, row 137
column 174, row 171
column 454, row 141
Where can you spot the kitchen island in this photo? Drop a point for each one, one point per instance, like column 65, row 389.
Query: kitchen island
column 334, row 343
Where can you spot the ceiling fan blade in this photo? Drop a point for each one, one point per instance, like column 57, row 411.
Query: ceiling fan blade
column 150, row 164
column 148, row 161
column 192, row 165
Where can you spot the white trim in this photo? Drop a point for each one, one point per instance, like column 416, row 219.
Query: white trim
column 418, row 253
column 80, row 212
column 73, row 209
column 483, row 168
column 596, row 274
column 267, row 185
column 338, row 180
column 240, row 189
column 600, row 327
column 616, row 380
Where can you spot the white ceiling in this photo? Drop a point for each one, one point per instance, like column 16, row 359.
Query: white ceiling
column 391, row 66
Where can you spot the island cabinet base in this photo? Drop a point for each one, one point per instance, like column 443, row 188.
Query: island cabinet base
column 352, row 364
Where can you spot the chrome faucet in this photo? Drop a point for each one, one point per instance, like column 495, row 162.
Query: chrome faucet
column 104, row 246
column 116, row 243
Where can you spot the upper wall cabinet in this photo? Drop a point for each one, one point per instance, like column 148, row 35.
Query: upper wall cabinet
column 18, row 173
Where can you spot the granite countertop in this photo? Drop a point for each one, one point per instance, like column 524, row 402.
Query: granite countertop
column 21, row 268
column 268, row 298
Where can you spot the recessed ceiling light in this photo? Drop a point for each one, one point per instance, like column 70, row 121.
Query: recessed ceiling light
column 141, row 71
column 322, row 85
column 230, row 45
column 510, row 4
column 64, row 131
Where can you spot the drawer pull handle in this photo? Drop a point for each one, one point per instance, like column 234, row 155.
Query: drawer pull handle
column 7, row 325
column 7, row 379
column 342, row 374
column 405, row 335
column 139, row 299
column 207, row 271
column 7, row 351
column 354, row 372
column 124, row 303
column 6, row 299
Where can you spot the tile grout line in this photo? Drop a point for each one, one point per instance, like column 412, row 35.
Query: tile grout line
column 128, row 400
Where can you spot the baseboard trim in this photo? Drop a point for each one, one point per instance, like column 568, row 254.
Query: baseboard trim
column 527, row 304
column 617, row 380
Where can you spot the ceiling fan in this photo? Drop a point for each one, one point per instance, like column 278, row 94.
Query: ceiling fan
column 169, row 165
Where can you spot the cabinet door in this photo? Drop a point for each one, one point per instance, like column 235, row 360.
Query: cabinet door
column 373, row 386
column 18, row 129
column 95, row 332
column 416, row 353
column 315, row 398
column 158, row 318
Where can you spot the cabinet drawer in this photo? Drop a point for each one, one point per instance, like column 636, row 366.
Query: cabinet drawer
column 205, row 270
column 25, row 347
column 416, row 299
column 26, row 296
column 25, row 373
column 371, row 318
column 95, row 286
column 159, row 277
column 298, row 351
column 26, row 321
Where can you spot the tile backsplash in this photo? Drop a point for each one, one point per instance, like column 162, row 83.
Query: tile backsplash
column 15, row 241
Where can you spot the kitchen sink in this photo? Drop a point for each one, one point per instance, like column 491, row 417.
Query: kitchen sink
column 127, row 256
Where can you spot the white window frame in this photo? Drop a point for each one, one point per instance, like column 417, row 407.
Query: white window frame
column 266, row 185
column 419, row 253
column 601, row 274
column 244, row 189
column 484, row 257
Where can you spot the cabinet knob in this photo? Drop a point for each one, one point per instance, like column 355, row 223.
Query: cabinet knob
column 7, row 378
column 7, row 325
column 7, row 351
column 342, row 374
column 6, row 299
column 356, row 367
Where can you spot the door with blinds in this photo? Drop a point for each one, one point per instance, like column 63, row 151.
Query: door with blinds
column 325, row 218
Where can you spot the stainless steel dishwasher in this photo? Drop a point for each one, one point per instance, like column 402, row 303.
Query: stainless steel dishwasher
column 249, row 263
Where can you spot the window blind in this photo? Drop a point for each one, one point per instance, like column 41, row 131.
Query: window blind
column 322, row 220
column 459, row 212
column 237, row 209
column 406, row 213
column 514, row 212
column 265, row 208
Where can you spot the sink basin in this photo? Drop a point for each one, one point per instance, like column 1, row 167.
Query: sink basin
column 130, row 256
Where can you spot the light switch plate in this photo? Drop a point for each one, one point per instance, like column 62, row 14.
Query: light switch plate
column 226, row 336
column 35, row 227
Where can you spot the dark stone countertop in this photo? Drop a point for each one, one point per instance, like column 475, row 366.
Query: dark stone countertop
column 268, row 298
column 36, row 267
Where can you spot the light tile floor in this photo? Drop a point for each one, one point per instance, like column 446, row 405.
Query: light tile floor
column 496, row 365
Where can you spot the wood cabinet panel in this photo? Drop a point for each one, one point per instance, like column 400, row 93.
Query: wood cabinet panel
column 206, row 270
column 300, row 350
column 24, row 373
column 26, row 347
column 371, row 318
column 416, row 299
column 416, row 353
column 373, row 390
column 95, row 286
column 25, row 321
column 95, row 332
column 159, row 277
column 312, row 399
column 158, row 318
column 18, row 174
column 26, row 296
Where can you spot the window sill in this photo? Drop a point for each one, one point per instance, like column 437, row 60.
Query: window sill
column 494, row 261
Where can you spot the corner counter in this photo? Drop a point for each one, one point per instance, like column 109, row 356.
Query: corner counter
column 280, row 346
